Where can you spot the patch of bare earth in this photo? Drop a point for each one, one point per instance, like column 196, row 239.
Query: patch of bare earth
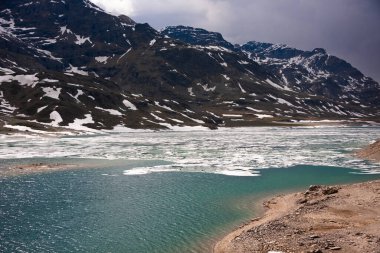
column 323, row 219
column 24, row 169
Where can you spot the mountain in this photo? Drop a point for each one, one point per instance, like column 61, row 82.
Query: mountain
column 197, row 36
column 69, row 64
column 315, row 72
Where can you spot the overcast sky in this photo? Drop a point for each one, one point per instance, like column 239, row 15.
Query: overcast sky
column 346, row 28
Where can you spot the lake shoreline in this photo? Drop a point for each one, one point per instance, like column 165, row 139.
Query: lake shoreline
column 371, row 152
column 62, row 131
column 34, row 168
column 322, row 219
column 282, row 206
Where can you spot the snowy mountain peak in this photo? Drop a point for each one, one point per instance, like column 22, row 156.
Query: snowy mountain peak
column 67, row 63
column 319, row 51
column 127, row 20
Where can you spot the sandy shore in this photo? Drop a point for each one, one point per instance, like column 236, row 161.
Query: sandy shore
column 24, row 169
column 322, row 219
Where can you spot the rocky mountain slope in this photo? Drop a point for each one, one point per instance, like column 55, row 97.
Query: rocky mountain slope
column 67, row 63
column 315, row 72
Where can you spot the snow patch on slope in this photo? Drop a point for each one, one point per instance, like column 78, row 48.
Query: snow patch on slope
column 56, row 118
column 110, row 111
column 27, row 80
column 129, row 105
column 78, row 124
column 52, row 92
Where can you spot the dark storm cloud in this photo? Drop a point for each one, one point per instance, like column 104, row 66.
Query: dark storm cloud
column 346, row 28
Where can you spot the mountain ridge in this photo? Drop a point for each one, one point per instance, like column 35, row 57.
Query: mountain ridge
column 69, row 64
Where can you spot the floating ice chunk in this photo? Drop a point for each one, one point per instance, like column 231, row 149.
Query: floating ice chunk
column 148, row 170
column 238, row 173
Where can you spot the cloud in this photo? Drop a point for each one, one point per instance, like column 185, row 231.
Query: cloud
column 346, row 28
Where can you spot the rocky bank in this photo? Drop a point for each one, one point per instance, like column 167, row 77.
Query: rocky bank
column 322, row 219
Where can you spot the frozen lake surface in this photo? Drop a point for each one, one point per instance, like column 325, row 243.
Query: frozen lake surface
column 239, row 151
column 139, row 192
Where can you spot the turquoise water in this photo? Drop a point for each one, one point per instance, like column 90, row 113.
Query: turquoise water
column 86, row 211
column 165, row 191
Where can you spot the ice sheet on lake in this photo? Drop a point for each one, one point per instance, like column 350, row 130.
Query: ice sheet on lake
column 237, row 152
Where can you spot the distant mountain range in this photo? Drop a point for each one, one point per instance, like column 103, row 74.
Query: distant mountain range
column 67, row 63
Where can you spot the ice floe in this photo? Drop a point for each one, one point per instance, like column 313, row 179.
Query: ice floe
column 230, row 151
